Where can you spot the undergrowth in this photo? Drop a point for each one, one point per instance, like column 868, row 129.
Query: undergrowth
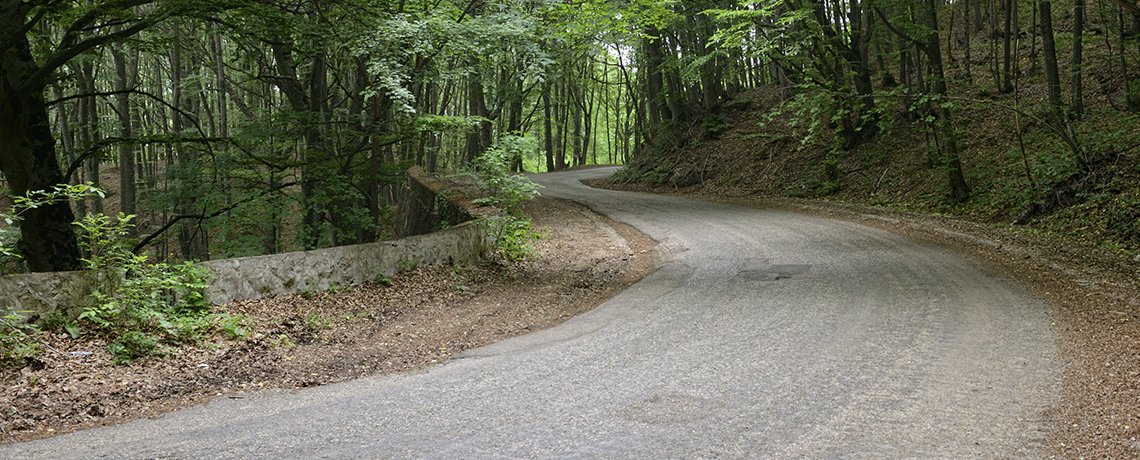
column 1029, row 176
column 140, row 309
column 146, row 306
column 510, row 229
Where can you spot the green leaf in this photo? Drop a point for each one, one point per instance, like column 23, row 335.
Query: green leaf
column 72, row 329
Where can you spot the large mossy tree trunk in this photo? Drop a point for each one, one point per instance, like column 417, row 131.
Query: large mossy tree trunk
column 27, row 151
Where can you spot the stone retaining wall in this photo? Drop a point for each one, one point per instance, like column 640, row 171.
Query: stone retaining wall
column 267, row 276
column 68, row 293
column 421, row 208
column 42, row 293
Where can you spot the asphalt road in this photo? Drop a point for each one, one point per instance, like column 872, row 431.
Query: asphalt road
column 768, row 334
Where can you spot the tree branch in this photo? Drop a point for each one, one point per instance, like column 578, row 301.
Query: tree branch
column 1128, row 6
column 145, row 241
column 81, row 23
column 36, row 81
column 28, row 26
column 91, row 151
column 887, row 22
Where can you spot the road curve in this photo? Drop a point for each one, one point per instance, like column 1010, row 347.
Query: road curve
column 767, row 334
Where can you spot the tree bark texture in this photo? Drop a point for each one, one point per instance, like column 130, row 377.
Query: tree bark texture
column 1077, row 104
column 27, row 151
column 1006, row 73
column 658, row 111
column 126, row 149
column 959, row 189
column 548, row 135
column 1049, row 48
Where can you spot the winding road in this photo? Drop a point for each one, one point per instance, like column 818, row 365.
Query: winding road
column 766, row 334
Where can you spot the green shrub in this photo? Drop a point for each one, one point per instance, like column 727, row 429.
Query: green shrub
column 143, row 305
column 18, row 340
column 506, row 191
column 510, row 230
column 138, row 308
column 131, row 345
column 512, row 236
column 10, row 234
column 713, row 124
column 235, row 327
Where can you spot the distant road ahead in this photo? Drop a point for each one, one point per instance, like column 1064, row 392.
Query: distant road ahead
column 768, row 334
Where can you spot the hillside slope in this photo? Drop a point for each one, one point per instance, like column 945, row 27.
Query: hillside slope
column 765, row 150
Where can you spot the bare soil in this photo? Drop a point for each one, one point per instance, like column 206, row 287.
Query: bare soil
column 423, row 317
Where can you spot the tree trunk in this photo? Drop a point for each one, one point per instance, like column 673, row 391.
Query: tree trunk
column 1049, row 48
column 859, row 59
column 1130, row 97
column 966, row 38
column 223, row 87
column 27, row 154
column 514, row 120
column 981, row 23
column 886, row 78
column 191, row 235
column 959, row 190
column 1033, row 43
column 658, row 111
column 480, row 139
column 560, row 127
column 301, row 103
column 1007, row 78
column 66, row 118
column 548, row 137
column 127, row 195
column 577, row 148
column 1077, row 105
column 269, row 226
column 314, row 155
column 712, row 88
column 89, row 130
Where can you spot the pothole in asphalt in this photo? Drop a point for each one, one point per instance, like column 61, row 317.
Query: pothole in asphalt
column 774, row 272
column 671, row 408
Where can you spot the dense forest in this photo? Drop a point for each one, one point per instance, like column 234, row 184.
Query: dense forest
column 226, row 128
column 958, row 108
column 230, row 128
column 1001, row 112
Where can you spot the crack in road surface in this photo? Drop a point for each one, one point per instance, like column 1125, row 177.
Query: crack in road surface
column 767, row 334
